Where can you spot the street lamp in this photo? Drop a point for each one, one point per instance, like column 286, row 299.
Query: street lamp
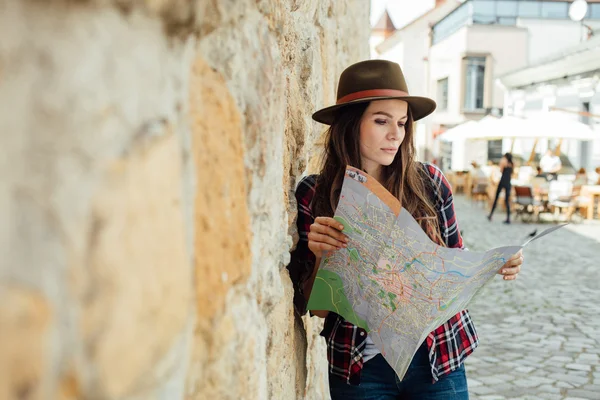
column 577, row 12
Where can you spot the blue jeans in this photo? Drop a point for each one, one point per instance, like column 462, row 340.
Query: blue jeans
column 379, row 382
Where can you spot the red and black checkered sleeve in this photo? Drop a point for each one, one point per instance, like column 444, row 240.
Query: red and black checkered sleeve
column 449, row 227
column 302, row 259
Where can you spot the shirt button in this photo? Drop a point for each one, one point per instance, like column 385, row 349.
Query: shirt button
column 357, row 358
column 362, row 333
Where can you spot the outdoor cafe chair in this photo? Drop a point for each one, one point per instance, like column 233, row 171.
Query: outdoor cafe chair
column 526, row 206
column 563, row 196
column 479, row 189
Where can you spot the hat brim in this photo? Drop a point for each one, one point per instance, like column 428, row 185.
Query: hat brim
column 420, row 107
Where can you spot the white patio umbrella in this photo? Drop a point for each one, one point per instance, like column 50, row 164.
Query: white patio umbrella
column 549, row 125
column 558, row 126
column 460, row 132
column 491, row 128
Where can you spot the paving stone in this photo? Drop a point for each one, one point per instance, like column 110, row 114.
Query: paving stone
column 511, row 356
column 491, row 359
column 505, row 377
column 527, row 383
column 582, row 394
column 490, row 380
column 474, row 383
column 516, row 393
column 480, row 390
column 551, row 396
column 579, row 367
column 588, row 357
column 565, row 385
column 560, row 359
column 550, row 389
column 555, row 370
column 524, row 370
column 585, row 394
column 570, row 378
column 592, row 388
column 505, row 389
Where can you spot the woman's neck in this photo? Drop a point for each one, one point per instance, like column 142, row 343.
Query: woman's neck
column 375, row 171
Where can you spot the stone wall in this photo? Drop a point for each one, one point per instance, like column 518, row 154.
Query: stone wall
column 150, row 149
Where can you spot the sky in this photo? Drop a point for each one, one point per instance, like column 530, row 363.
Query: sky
column 401, row 11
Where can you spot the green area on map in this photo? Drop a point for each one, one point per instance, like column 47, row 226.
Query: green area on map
column 328, row 294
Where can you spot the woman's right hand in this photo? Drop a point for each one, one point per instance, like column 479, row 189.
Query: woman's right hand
column 326, row 235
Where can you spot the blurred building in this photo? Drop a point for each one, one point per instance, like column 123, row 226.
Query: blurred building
column 409, row 46
column 468, row 46
column 383, row 29
column 567, row 82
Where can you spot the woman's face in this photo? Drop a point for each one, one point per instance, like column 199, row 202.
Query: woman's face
column 382, row 130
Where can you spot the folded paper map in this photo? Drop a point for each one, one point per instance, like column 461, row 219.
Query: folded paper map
column 392, row 280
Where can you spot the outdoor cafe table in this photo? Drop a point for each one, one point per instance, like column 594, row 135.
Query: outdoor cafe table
column 592, row 191
column 462, row 180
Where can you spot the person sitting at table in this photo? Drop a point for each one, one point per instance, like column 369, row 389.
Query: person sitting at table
column 550, row 165
column 580, row 177
column 479, row 175
column 540, row 173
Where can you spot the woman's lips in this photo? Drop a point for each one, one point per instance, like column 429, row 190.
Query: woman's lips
column 390, row 150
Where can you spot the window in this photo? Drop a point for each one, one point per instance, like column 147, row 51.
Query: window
column 555, row 10
column 584, row 147
column 585, row 118
column 442, row 94
column 495, row 150
column 506, row 8
column 451, row 23
column 593, row 11
column 474, row 83
column 529, row 9
column 445, row 161
column 484, row 12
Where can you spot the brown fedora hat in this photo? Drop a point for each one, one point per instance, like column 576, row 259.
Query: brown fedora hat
column 374, row 80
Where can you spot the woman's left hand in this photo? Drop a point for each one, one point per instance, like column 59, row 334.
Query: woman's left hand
column 511, row 269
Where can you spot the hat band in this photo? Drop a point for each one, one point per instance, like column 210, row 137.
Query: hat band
column 371, row 93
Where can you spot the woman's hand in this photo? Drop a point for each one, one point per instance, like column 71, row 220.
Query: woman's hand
column 511, row 269
column 325, row 235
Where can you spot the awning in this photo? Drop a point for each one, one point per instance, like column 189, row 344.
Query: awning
column 550, row 125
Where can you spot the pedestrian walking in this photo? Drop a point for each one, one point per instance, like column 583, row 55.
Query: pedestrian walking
column 371, row 128
column 506, row 166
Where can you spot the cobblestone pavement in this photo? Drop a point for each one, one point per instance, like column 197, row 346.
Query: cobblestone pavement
column 540, row 334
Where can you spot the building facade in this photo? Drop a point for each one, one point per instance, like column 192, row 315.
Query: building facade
column 456, row 52
column 568, row 83
column 409, row 47
column 480, row 41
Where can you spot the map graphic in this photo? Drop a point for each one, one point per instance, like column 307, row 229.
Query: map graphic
column 392, row 280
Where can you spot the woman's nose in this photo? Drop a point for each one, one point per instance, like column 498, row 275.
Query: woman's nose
column 395, row 133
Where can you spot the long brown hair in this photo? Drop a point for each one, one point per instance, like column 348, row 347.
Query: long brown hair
column 404, row 177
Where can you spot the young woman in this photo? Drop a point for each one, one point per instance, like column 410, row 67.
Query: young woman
column 371, row 128
column 506, row 166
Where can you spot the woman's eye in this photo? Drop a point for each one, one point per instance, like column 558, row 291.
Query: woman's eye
column 380, row 121
column 401, row 124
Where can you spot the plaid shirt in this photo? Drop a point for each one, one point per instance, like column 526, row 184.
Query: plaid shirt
column 448, row 345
